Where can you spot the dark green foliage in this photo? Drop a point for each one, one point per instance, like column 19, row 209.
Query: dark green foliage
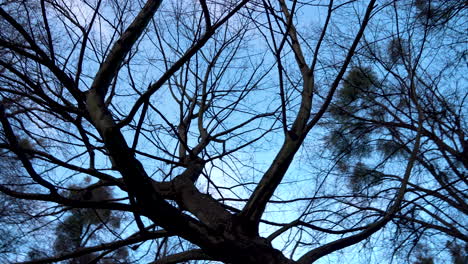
column 351, row 139
column 69, row 233
column 338, row 140
column 35, row 254
column 359, row 81
column 377, row 113
column 363, row 176
column 436, row 14
column 350, row 135
column 398, row 50
column 459, row 253
column 86, row 259
column 425, row 10
column 94, row 194
column 424, row 260
column 26, row 144
column 423, row 255
column 77, row 228
column 356, row 93
column 390, row 148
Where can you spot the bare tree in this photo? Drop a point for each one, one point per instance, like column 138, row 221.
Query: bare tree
column 188, row 120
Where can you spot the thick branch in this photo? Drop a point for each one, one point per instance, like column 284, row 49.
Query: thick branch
column 21, row 154
column 109, row 67
column 195, row 254
column 255, row 207
column 178, row 64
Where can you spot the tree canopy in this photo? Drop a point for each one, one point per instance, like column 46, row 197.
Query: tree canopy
column 243, row 131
